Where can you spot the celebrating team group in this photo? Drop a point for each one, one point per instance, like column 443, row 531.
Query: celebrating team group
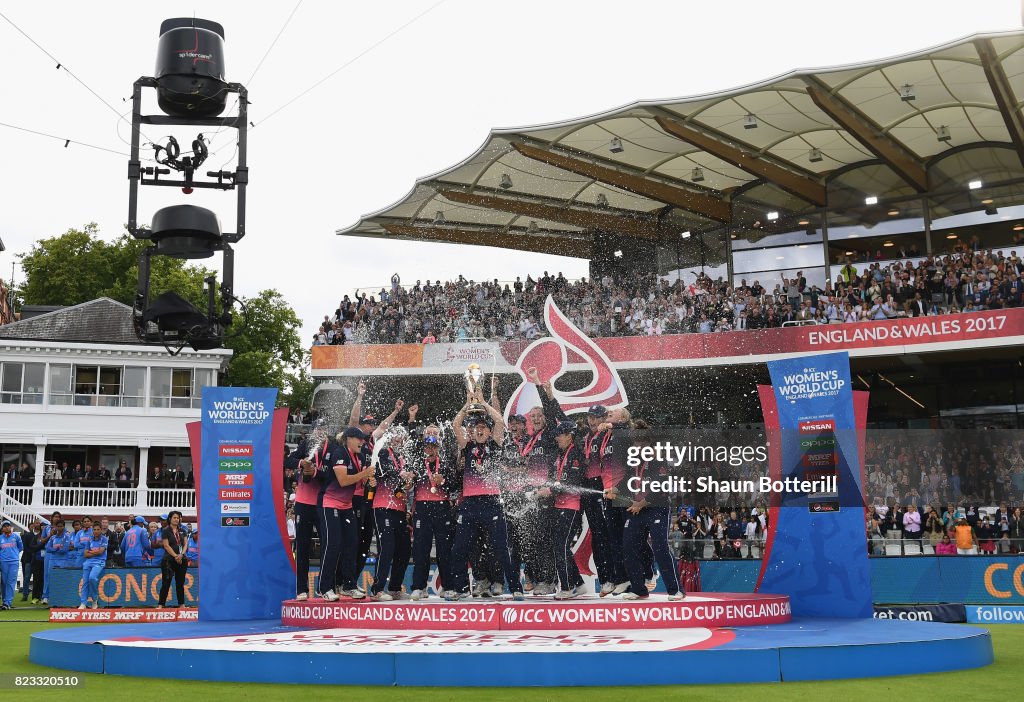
column 504, row 501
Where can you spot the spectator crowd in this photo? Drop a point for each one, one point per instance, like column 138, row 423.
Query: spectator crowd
column 638, row 304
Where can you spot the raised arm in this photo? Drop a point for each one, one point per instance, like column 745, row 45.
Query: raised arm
column 357, row 406
column 387, row 421
column 460, row 432
column 498, row 432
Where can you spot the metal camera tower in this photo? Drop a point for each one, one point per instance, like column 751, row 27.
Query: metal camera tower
column 192, row 92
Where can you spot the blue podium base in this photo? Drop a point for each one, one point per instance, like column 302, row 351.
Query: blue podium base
column 266, row 652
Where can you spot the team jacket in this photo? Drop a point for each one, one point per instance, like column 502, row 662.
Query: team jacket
column 136, row 543
column 390, row 492
column 567, row 472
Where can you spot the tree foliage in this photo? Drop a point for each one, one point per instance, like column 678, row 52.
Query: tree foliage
column 79, row 266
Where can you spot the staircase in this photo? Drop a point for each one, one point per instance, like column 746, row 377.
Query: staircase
column 19, row 514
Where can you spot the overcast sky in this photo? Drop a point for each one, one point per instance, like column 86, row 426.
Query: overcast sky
column 418, row 103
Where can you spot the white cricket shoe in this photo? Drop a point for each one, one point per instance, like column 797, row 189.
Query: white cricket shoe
column 356, row 594
column 676, row 597
column 606, row 589
column 302, row 596
column 383, row 596
column 620, row 588
column 417, row 595
column 81, row 606
column 330, row 596
column 632, row 596
column 518, row 596
column 497, row 589
column 569, row 594
column 481, row 588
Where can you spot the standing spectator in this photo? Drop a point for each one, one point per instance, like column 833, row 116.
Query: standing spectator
column 912, row 526
column 30, row 541
column 965, row 538
column 174, row 563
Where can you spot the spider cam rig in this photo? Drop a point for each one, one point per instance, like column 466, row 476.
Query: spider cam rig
column 191, row 91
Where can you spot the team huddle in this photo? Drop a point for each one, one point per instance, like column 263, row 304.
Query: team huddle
column 485, row 497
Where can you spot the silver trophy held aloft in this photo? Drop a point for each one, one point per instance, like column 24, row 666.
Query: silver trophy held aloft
column 474, row 378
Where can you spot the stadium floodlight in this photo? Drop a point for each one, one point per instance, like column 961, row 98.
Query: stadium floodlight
column 815, row 156
column 618, row 253
column 616, row 146
column 772, row 216
column 506, row 181
column 750, row 122
column 601, row 200
column 685, row 235
column 871, row 200
column 697, row 175
column 439, row 217
column 533, row 228
column 191, row 91
column 907, row 92
column 974, row 185
column 942, row 133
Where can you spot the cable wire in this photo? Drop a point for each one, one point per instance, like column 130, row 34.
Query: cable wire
column 64, row 139
column 352, row 60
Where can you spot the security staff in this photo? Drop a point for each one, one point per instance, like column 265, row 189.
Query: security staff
column 94, row 560
column 596, row 444
column 481, row 502
column 337, row 521
column 390, row 503
column 433, row 515
column 10, row 559
column 649, row 515
column 136, row 544
column 564, row 481
column 173, row 564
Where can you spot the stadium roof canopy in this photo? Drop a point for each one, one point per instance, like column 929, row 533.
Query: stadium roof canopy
column 911, row 128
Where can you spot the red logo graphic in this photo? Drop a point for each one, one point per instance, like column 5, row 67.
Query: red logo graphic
column 550, row 357
column 235, row 479
column 236, row 450
column 236, row 494
column 819, row 460
column 818, row 426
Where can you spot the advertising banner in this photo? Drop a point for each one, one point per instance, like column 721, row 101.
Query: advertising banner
column 816, row 551
column 241, row 510
column 948, row 613
column 120, row 587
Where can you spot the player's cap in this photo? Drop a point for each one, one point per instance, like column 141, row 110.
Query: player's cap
column 480, row 419
column 353, row 433
column 565, row 428
column 6, row 523
column 598, row 411
column 140, row 520
column 164, row 517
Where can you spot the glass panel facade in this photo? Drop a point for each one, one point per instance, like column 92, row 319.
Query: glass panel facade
column 21, row 383
column 60, row 384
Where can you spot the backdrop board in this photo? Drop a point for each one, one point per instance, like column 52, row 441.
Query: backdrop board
column 240, row 446
column 816, row 550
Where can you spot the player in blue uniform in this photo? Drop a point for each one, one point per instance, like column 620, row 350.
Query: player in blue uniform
column 10, row 559
column 94, row 560
column 136, row 544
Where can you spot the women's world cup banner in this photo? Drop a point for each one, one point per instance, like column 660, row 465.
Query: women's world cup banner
column 247, row 565
column 816, row 550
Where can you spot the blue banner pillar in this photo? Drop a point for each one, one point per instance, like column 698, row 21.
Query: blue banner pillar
column 816, row 550
column 246, row 560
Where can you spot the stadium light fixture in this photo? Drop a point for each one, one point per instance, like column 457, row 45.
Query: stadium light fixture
column 804, row 222
column 893, row 212
column 815, row 156
column 616, row 146
column 974, row 185
column 506, row 181
column 871, row 200
column 618, row 253
column 987, row 201
column 697, row 175
column 1018, row 227
column 439, row 217
column 907, row 92
column 532, row 228
column 750, row 122
column 888, row 244
column 685, row 235
column 849, row 253
column 772, row 216
column 601, row 200
column 942, row 133
column 951, row 236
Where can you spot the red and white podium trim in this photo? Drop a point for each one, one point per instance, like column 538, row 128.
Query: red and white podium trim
column 707, row 610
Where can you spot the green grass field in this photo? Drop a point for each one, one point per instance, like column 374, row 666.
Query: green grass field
column 998, row 681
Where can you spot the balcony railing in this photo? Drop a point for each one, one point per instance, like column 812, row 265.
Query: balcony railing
column 105, row 501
